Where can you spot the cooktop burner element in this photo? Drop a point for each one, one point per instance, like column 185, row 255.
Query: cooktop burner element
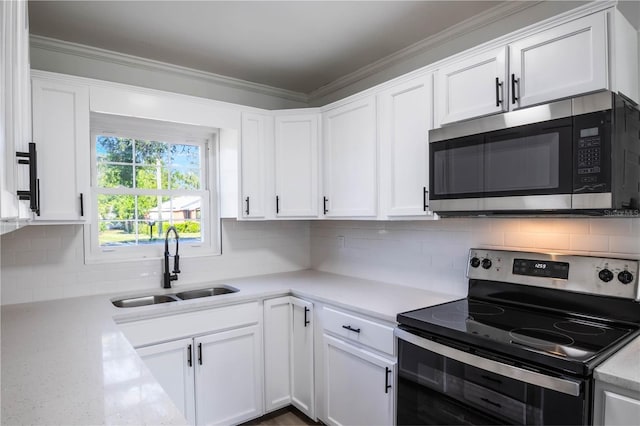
column 540, row 337
column 579, row 328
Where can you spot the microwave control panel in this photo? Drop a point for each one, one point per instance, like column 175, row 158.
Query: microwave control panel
column 590, row 153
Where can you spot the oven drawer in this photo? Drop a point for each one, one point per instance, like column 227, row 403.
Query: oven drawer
column 358, row 329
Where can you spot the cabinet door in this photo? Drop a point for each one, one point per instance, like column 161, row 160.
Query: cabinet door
column 296, row 165
column 302, row 383
column 61, row 133
column 405, row 120
column 15, row 104
column 253, row 153
column 350, row 184
column 277, row 344
column 172, row 366
column 472, row 87
column 564, row 61
column 358, row 385
column 620, row 410
column 229, row 376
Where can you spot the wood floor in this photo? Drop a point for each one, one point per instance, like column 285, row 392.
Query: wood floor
column 288, row 416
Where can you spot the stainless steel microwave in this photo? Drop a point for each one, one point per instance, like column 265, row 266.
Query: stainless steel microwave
column 575, row 156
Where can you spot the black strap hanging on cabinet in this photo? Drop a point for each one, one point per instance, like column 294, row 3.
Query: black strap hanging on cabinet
column 33, row 194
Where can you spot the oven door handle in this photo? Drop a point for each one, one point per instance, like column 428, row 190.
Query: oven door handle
column 554, row 383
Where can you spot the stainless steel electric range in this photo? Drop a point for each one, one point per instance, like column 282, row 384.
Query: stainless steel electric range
column 522, row 347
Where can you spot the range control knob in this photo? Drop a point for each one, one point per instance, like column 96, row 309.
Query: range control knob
column 486, row 263
column 475, row 262
column 625, row 277
column 605, row 275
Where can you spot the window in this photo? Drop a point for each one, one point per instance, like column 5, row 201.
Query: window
column 147, row 176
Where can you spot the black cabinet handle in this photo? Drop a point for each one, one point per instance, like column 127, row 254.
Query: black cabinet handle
column 495, row 404
column 387, row 386
column 348, row 327
column 498, row 87
column 306, row 321
column 31, row 158
column 425, row 193
column 277, row 204
column 200, row 353
column 247, row 210
column 514, row 81
column 324, row 204
column 189, row 356
column 81, row 204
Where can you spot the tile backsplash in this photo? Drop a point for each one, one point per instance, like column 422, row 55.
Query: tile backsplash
column 433, row 254
column 47, row 262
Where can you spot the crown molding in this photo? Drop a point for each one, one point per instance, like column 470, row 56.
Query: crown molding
column 480, row 20
column 94, row 53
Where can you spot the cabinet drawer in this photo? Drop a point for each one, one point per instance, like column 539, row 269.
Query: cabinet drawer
column 359, row 329
column 171, row 327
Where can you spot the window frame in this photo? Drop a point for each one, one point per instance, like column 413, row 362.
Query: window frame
column 167, row 132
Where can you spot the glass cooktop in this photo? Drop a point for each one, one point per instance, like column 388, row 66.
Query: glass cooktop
column 552, row 339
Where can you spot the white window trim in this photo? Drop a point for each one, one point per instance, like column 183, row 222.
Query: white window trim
column 207, row 138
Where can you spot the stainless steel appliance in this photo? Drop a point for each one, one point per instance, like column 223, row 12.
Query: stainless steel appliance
column 522, row 347
column 576, row 156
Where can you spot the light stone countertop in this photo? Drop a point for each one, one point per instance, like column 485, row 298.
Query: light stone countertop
column 66, row 361
column 623, row 368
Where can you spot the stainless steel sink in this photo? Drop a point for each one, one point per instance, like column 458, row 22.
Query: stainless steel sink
column 205, row 292
column 132, row 302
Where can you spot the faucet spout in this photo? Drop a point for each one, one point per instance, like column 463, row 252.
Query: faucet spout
column 173, row 275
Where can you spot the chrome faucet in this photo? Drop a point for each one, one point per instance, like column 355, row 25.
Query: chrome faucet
column 173, row 275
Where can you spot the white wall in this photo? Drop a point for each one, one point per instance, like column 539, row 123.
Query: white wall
column 433, row 255
column 46, row 262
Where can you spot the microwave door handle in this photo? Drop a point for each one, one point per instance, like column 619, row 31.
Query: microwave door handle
column 537, row 379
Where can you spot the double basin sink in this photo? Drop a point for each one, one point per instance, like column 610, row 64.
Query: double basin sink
column 154, row 299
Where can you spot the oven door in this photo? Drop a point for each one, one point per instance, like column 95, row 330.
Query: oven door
column 522, row 168
column 441, row 385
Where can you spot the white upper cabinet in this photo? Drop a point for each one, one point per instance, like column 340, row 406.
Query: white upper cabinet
column 61, row 133
column 15, row 112
column 296, row 164
column 472, row 87
column 563, row 61
column 253, row 157
column 350, row 166
column 405, row 112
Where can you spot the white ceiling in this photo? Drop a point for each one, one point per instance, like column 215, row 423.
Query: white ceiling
column 294, row 45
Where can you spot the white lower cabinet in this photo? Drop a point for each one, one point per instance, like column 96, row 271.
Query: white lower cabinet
column 357, row 369
column 171, row 364
column 212, row 379
column 228, row 376
column 289, row 354
column 615, row 406
column 358, row 385
column 209, row 362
